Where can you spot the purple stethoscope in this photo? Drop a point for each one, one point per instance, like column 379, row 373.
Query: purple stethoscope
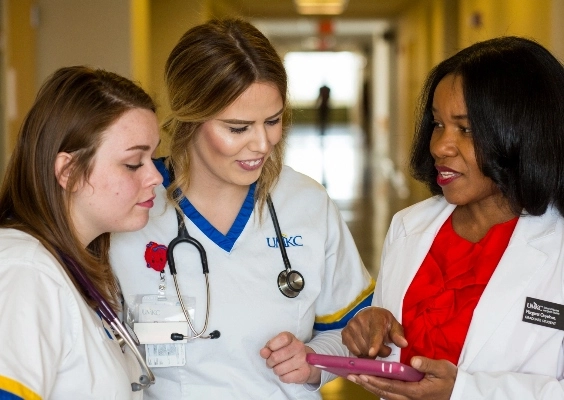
column 122, row 335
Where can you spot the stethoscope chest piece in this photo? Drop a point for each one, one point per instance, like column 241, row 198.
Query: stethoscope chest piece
column 290, row 283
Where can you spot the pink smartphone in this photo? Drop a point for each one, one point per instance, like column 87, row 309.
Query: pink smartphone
column 344, row 366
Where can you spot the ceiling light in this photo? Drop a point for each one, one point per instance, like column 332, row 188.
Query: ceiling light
column 321, row 7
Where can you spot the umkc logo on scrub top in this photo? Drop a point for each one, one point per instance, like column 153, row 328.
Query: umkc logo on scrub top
column 288, row 241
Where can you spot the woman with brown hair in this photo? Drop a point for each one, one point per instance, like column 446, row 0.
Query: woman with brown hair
column 81, row 169
column 284, row 273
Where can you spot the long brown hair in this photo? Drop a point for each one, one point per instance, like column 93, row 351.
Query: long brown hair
column 209, row 68
column 70, row 114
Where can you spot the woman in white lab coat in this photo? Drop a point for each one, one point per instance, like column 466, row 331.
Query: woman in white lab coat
column 471, row 285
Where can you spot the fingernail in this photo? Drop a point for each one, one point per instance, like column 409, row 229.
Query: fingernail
column 364, row 378
column 416, row 363
column 351, row 378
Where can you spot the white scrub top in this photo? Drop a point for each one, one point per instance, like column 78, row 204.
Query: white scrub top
column 246, row 304
column 53, row 345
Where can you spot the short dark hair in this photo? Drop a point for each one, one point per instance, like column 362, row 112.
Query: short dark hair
column 514, row 93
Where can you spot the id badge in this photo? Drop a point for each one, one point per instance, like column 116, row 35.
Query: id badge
column 155, row 319
column 165, row 355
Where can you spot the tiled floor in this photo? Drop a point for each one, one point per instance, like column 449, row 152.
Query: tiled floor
column 338, row 160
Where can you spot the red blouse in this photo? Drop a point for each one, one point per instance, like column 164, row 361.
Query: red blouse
column 439, row 303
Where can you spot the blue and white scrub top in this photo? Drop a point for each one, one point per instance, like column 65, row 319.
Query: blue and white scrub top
column 246, row 305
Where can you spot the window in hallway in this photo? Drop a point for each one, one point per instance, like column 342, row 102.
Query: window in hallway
column 334, row 157
column 337, row 158
column 308, row 71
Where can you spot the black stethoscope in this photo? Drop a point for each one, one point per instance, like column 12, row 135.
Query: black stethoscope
column 290, row 282
column 122, row 335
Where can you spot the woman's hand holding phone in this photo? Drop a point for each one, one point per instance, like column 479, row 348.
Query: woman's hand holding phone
column 345, row 366
column 437, row 383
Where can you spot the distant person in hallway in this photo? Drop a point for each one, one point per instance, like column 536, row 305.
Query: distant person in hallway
column 367, row 113
column 228, row 94
column 81, row 168
column 471, row 285
column 323, row 108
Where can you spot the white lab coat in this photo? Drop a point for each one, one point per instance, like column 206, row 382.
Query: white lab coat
column 503, row 357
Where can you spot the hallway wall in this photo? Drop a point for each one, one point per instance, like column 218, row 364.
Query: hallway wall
column 133, row 37
column 19, row 70
column 44, row 35
column 96, row 33
column 431, row 30
column 484, row 19
column 169, row 20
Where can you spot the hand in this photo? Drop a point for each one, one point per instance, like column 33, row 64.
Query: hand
column 367, row 332
column 286, row 355
column 436, row 385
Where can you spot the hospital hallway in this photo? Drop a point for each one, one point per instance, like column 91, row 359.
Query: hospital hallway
column 340, row 161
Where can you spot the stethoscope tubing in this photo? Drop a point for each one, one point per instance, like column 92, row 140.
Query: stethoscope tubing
column 184, row 236
column 112, row 319
column 144, row 380
column 285, row 258
column 286, row 287
column 185, row 311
